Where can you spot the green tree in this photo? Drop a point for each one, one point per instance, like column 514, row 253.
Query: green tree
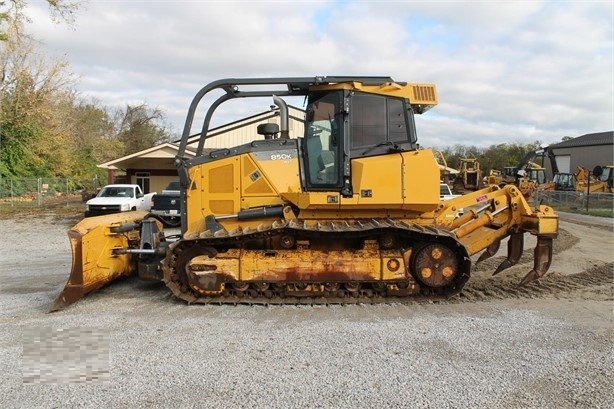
column 496, row 156
column 93, row 139
column 33, row 91
column 46, row 129
column 12, row 15
column 141, row 127
column 455, row 153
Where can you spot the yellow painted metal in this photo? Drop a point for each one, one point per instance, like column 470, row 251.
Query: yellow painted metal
column 408, row 187
column 280, row 172
column 93, row 262
column 407, row 181
column 420, row 95
column 420, row 181
column 543, row 221
column 408, row 190
column 367, row 264
column 507, row 211
column 227, row 186
column 374, row 189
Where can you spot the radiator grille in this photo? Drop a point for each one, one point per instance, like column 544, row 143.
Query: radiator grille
column 424, row 94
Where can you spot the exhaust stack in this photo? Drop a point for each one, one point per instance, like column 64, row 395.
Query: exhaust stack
column 284, row 118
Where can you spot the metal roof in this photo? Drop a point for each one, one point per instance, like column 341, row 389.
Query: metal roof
column 590, row 139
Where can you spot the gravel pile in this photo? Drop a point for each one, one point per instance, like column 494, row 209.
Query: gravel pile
column 163, row 353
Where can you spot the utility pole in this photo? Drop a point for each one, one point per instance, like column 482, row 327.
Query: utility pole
column 588, row 189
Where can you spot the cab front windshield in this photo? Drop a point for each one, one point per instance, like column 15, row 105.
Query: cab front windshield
column 322, row 140
column 564, row 180
column 606, row 174
column 538, row 176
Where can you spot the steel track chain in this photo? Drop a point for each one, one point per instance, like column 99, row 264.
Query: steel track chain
column 359, row 228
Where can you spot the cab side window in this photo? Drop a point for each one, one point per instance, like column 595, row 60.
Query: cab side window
column 377, row 120
column 368, row 120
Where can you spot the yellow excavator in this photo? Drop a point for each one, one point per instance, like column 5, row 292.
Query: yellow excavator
column 348, row 212
column 599, row 181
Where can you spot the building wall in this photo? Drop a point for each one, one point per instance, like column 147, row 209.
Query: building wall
column 240, row 135
column 586, row 156
column 158, row 179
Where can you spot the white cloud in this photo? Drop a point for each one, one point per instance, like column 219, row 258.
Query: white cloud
column 506, row 71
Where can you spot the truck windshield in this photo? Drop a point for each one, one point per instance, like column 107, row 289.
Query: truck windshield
column 115, row 191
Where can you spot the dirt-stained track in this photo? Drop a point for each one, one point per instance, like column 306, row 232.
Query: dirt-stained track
column 595, row 283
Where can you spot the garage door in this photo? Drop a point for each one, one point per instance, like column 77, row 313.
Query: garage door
column 563, row 162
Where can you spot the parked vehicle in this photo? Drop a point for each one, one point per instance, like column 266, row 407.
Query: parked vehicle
column 117, row 199
column 445, row 193
column 166, row 206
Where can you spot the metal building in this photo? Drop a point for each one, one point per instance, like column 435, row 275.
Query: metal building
column 588, row 151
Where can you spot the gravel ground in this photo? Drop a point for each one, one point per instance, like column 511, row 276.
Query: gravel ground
column 132, row 345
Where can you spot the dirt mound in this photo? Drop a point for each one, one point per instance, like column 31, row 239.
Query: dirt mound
column 563, row 242
column 596, row 283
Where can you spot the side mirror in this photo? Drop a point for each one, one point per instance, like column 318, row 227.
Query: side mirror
column 268, row 130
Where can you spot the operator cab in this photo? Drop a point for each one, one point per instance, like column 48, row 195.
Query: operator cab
column 604, row 174
column 344, row 124
column 564, row 181
column 537, row 175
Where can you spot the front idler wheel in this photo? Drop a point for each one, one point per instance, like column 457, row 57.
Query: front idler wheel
column 435, row 265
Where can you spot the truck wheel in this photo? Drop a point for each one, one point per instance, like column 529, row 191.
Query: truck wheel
column 172, row 222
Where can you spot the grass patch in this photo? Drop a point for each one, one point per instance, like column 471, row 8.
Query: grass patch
column 57, row 211
column 591, row 212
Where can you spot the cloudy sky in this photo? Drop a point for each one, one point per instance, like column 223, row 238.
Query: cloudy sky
column 506, row 71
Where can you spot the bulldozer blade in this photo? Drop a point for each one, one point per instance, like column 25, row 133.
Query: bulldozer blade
column 93, row 262
column 542, row 257
column 489, row 252
column 515, row 246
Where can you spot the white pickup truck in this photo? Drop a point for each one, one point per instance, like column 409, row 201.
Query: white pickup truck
column 445, row 193
column 118, row 198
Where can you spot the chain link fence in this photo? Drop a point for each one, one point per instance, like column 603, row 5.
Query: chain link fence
column 575, row 200
column 44, row 192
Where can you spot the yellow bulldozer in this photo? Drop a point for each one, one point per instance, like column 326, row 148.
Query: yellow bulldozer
column 469, row 176
column 348, row 212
